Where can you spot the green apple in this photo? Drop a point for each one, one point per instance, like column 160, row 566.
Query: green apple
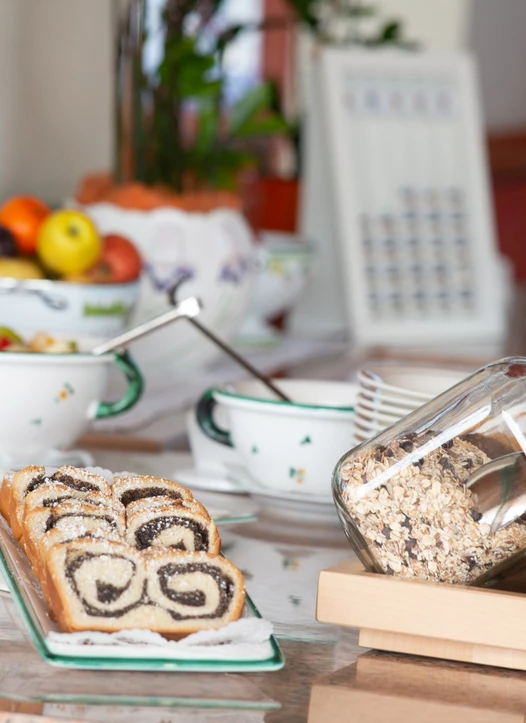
column 68, row 243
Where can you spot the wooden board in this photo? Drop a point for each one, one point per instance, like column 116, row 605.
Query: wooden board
column 439, row 620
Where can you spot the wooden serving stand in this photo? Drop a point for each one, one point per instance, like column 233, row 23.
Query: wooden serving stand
column 437, row 620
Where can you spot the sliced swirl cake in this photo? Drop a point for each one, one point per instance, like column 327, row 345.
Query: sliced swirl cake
column 135, row 487
column 104, row 585
column 65, row 516
column 55, row 536
column 172, row 526
column 96, row 584
column 198, row 592
column 32, row 478
column 150, row 503
column 141, row 553
column 73, row 531
column 55, row 493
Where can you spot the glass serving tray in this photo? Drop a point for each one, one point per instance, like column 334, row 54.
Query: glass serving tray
column 25, row 590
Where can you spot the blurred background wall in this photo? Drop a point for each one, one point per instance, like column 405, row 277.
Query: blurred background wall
column 437, row 24
column 10, row 78
column 499, row 40
column 56, row 63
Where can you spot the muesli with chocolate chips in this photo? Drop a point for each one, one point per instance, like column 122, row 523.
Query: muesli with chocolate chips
column 421, row 521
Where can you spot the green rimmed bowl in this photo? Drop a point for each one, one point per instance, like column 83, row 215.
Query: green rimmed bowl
column 287, row 447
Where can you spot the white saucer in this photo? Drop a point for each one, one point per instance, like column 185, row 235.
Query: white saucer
column 291, row 504
column 52, row 458
column 197, row 480
column 279, row 503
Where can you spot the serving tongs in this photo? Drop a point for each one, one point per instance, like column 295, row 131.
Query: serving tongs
column 250, row 368
column 500, row 488
column 500, row 485
column 186, row 309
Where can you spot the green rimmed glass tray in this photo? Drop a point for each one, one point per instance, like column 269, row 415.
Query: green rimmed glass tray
column 27, row 596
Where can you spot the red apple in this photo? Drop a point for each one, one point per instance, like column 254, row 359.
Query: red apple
column 120, row 262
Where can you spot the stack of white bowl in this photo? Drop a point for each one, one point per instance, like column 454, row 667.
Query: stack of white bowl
column 389, row 392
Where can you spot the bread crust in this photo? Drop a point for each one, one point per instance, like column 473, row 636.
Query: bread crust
column 126, row 484
column 21, row 481
column 150, row 503
column 31, row 538
column 37, row 498
column 169, row 510
column 5, row 494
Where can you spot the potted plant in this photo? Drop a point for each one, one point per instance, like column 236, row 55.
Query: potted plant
column 349, row 22
column 275, row 196
column 179, row 164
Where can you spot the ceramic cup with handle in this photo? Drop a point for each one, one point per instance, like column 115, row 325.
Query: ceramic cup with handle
column 288, row 447
column 48, row 400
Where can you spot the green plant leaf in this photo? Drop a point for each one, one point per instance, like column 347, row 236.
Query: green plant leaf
column 185, row 72
column 219, row 167
column 213, row 5
column 251, row 103
column 227, row 167
column 304, row 10
column 360, row 11
column 207, row 125
column 226, row 37
column 266, row 125
column 193, row 77
column 391, row 32
column 176, row 52
column 225, row 179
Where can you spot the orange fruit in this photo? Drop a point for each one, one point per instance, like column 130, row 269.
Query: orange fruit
column 23, row 217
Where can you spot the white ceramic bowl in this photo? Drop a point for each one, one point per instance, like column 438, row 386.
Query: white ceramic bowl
column 206, row 255
column 210, row 458
column 282, row 271
column 49, row 399
column 288, row 447
column 57, row 307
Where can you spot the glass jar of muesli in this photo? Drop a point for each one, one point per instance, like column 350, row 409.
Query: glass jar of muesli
column 418, row 500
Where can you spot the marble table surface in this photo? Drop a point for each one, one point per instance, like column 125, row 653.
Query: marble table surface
column 326, row 677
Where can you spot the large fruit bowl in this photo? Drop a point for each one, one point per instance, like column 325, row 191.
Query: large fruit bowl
column 203, row 254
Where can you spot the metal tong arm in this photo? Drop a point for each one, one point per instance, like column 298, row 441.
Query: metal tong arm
column 188, row 308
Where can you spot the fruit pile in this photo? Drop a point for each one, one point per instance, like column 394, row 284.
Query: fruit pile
column 41, row 343
column 36, row 243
